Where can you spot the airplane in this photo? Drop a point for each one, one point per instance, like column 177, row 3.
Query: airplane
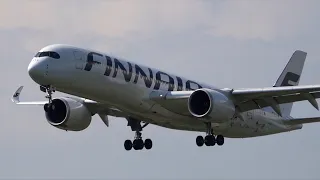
column 106, row 85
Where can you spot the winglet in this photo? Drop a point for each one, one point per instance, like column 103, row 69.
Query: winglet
column 16, row 95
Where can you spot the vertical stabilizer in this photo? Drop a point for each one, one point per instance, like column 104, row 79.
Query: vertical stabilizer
column 290, row 76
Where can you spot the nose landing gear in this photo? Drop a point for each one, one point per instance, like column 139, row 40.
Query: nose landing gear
column 49, row 90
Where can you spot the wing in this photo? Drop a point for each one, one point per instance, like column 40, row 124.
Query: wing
column 94, row 107
column 244, row 99
column 301, row 121
column 16, row 99
column 248, row 99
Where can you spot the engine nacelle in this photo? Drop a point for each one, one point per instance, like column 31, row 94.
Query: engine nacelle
column 68, row 114
column 211, row 104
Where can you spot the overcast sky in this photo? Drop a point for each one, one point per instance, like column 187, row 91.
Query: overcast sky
column 224, row 43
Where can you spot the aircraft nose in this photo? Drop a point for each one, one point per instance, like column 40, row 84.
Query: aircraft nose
column 36, row 70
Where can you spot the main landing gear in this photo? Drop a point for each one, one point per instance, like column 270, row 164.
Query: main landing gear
column 210, row 139
column 137, row 143
column 49, row 90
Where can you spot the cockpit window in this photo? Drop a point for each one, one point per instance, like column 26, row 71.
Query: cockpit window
column 37, row 55
column 54, row 55
column 48, row 54
column 44, row 54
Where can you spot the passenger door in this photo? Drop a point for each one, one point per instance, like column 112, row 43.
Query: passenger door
column 80, row 59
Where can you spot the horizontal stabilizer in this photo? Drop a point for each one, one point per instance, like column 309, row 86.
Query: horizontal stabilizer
column 301, row 121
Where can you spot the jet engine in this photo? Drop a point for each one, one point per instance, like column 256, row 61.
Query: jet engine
column 68, row 114
column 211, row 105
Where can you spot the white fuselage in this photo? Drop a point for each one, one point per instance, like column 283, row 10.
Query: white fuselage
column 122, row 84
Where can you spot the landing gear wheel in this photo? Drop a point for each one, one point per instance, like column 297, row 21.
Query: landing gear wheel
column 199, row 141
column 128, row 145
column 148, row 144
column 210, row 140
column 135, row 144
column 220, row 140
column 138, row 144
column 47, row 107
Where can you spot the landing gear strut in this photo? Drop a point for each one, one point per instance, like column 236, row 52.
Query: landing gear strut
column 137, row 143
column 209, row 139
column 49, row 90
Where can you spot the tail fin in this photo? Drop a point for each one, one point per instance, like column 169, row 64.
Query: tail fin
column 290, row 76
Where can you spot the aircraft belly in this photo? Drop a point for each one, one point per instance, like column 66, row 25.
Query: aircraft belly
column 254, row 124
column 176, row 121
